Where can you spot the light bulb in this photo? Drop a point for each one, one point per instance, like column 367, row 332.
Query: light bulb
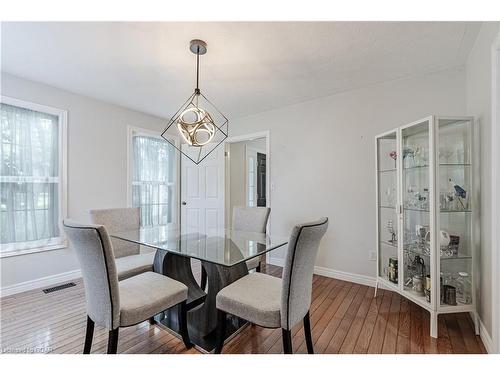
column 197, row 131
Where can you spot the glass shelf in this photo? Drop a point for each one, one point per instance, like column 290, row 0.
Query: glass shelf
column 441, row 165
column 441, row 211
column 387, row 170
column 389, row 243
column 460, row 304
column 389, row 282
column 414, row 209
column 416, row 167
column 389, row 207
column 453, row 257
column 411, row 294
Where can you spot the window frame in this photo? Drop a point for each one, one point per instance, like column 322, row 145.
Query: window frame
column 8, row 250
column 138, row 131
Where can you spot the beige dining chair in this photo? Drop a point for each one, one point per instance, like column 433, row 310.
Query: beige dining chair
column 272, row 302
column 246, row 219
column 130, row 261
column 113, row 304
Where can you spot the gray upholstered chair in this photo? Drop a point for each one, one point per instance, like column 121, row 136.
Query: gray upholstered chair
column 272, row 302
column 113, row 304
column 246, row 219
column 129, row 259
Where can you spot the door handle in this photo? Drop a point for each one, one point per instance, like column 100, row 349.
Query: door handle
column 184, row 203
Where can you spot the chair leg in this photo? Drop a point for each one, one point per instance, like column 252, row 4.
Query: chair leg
column 152, row 321
column 203, row 283
column 221, row 331
column 257, row 269
column 183, row 325
column 307, row 333
column 113, row 341
column 287, row 341
column 88, row 336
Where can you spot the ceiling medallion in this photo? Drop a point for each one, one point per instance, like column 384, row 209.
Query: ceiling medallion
column 201, row 125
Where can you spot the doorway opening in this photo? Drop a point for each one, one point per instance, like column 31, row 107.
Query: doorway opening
column 247, row 172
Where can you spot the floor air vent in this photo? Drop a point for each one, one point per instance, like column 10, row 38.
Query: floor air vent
column 59, row 287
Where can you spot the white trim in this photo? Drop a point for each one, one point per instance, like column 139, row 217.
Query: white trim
column 485, row 338
column 63, row 244
column 334, row 274
column 345, row 276
column 131, row 131
column 62, row 116
column 246, row 137
column 495, row 182
column 42, row 282
column 280, row 262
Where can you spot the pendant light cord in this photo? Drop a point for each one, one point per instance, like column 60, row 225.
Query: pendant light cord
column 197, row 69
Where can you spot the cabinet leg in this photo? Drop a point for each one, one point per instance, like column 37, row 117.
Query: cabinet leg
column 376, row 289
column 434, row 324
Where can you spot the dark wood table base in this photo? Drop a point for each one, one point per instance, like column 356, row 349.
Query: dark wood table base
column 202, row 312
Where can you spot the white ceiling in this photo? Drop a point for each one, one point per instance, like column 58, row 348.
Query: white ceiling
column 249, row 67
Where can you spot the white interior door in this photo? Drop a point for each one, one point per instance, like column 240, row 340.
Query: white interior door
column 202, row 193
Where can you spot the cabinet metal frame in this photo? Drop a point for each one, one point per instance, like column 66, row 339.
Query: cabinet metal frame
column 434, row 307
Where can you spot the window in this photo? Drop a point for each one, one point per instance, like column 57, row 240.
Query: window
column 154, row 177
column 32, row 193
column 251, row 182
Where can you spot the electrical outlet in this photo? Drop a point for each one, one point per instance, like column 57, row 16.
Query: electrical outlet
column 373, row 255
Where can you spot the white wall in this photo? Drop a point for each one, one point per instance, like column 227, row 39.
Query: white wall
column 478, row 89
column 322, row 156
column 97, row 166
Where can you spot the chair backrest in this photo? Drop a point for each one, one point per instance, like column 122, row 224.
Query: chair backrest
column 298, row 271
column 95, row 254
column 250, row 219
column 119, row 220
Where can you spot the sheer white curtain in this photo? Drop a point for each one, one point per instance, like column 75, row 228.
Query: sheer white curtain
column 153, row 179
column 29, row 178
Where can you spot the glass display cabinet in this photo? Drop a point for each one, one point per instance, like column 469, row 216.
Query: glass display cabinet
column 426, row 214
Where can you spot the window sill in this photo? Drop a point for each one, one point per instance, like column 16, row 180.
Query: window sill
column 41, row 249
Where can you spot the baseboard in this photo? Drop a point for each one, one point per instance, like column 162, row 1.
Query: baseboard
column 276, row 261
column 345, row 276
column 39, row 283
column 486, row 338
column 335, row 274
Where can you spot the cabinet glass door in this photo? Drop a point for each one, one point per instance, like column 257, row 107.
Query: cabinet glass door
column 387, row 178
column 416, row 200
column 455, row 211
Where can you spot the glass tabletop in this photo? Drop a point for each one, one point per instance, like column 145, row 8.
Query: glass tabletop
column 227, row 249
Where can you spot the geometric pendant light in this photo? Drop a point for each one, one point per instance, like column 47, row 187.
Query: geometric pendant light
column 201, row 126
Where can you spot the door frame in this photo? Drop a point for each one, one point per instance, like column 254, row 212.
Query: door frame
column 495, row 181
column 227, row 175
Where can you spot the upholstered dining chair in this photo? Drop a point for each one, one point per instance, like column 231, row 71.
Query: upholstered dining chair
column 246, row 219
column 113, row 304
column 272, row 302
column 129, row 259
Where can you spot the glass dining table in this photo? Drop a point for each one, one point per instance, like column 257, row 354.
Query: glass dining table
column 223, row 256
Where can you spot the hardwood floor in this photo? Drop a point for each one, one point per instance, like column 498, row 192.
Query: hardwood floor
column 345, row 318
